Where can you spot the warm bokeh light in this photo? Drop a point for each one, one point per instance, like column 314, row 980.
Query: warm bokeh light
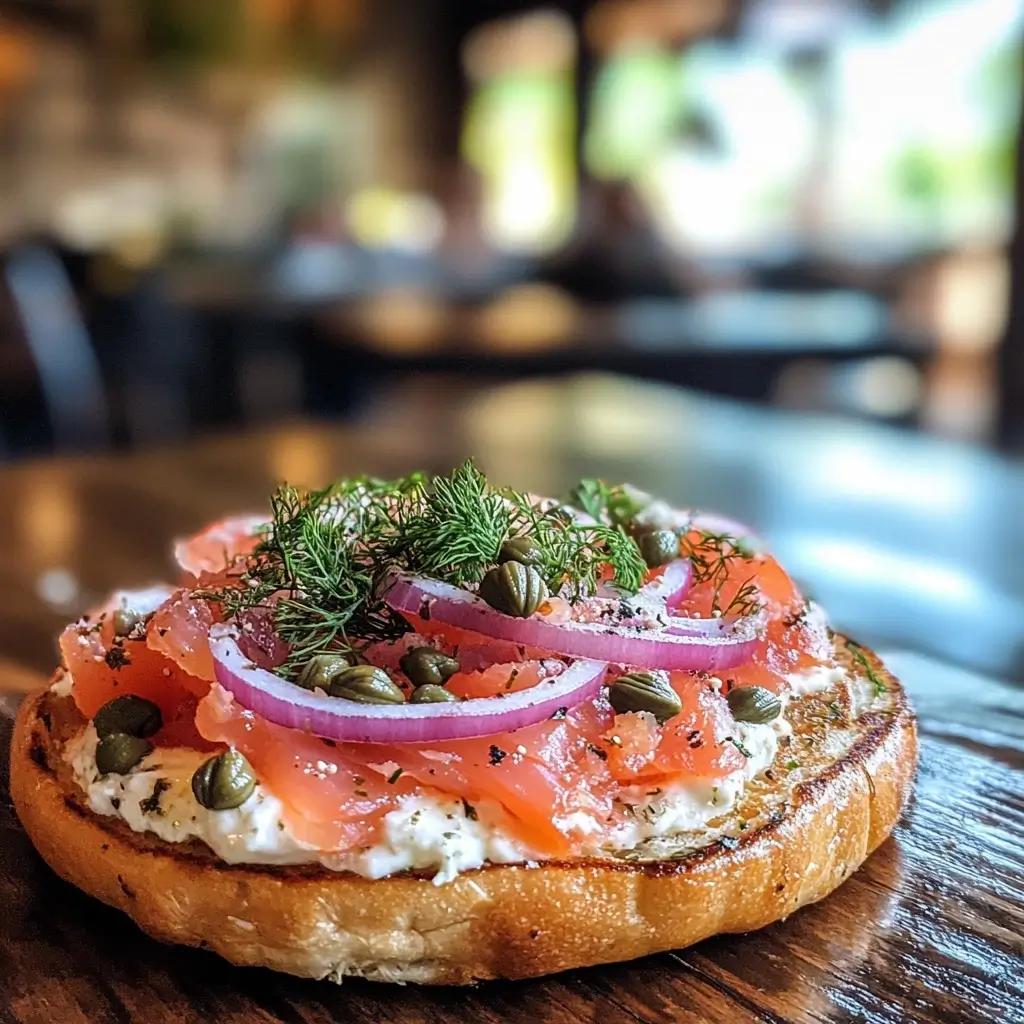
column 385, row 218
column 50, row 526
column 403, row 321
column 529, row 318
column 299, row 456
column 520, row 126
column 972, row 296
column 617, row 25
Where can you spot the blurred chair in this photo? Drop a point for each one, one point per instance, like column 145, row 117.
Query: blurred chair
column 59, row 346
column 157, row 360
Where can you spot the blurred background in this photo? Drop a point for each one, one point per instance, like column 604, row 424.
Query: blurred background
column 237, row 213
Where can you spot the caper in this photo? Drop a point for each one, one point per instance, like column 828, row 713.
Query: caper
column 125, row 619
column 524, row 550
column 129, row 714
column 431, row 694
column 424, row 665
column 119, row 753
column 645, row 691
column 365, row 684
column 658, row 547
column 321, row 670
column 224, row 781
column 514, row 589
column 753, row 704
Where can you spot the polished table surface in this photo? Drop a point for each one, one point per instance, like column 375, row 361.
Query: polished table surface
column 914, row 546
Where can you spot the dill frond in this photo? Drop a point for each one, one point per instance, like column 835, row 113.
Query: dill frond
column 607, row 503
column 455, row 527
column 712, row 556
column 325, row 554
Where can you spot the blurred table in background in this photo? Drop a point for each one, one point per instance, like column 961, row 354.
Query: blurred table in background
column 220, row 343
column 392, row 314
column 907, row 540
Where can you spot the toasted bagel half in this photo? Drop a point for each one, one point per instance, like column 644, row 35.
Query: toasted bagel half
column 832, row 796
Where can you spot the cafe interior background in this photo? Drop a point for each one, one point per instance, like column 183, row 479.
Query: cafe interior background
column 480, row 224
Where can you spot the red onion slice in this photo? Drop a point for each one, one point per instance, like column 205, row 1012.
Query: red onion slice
column 333, row 718
column 650, row 602
column 671, row 586
column 621, row 645
column 685, row 625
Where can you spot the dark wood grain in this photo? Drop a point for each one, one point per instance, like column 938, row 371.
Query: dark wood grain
column 930, row 929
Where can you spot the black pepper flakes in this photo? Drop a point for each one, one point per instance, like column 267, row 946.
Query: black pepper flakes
column 117, row 657
column 560, row 714
column 597, row 751
column 796, row 618
column 151, row 804
column 496, row 755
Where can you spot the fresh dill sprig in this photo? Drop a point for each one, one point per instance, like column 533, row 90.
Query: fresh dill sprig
column 713, row 556
column 861, row 658
column 453, row 527
column 607, row 503
column 325, row 554
column 313, row 566
column 576, row 553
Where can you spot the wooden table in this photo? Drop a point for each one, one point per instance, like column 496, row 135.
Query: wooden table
column 930, row 929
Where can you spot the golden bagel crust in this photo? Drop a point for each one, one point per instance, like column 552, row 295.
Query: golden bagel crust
column 502, row 921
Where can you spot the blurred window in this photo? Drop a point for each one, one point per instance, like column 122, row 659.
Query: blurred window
column 520, row 128
column 822, row 126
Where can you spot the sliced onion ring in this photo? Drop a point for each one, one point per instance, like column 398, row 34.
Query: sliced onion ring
column 665, row 591
column 621, row 645
column 686, row 625
column 672, row 585
column 333, row 718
